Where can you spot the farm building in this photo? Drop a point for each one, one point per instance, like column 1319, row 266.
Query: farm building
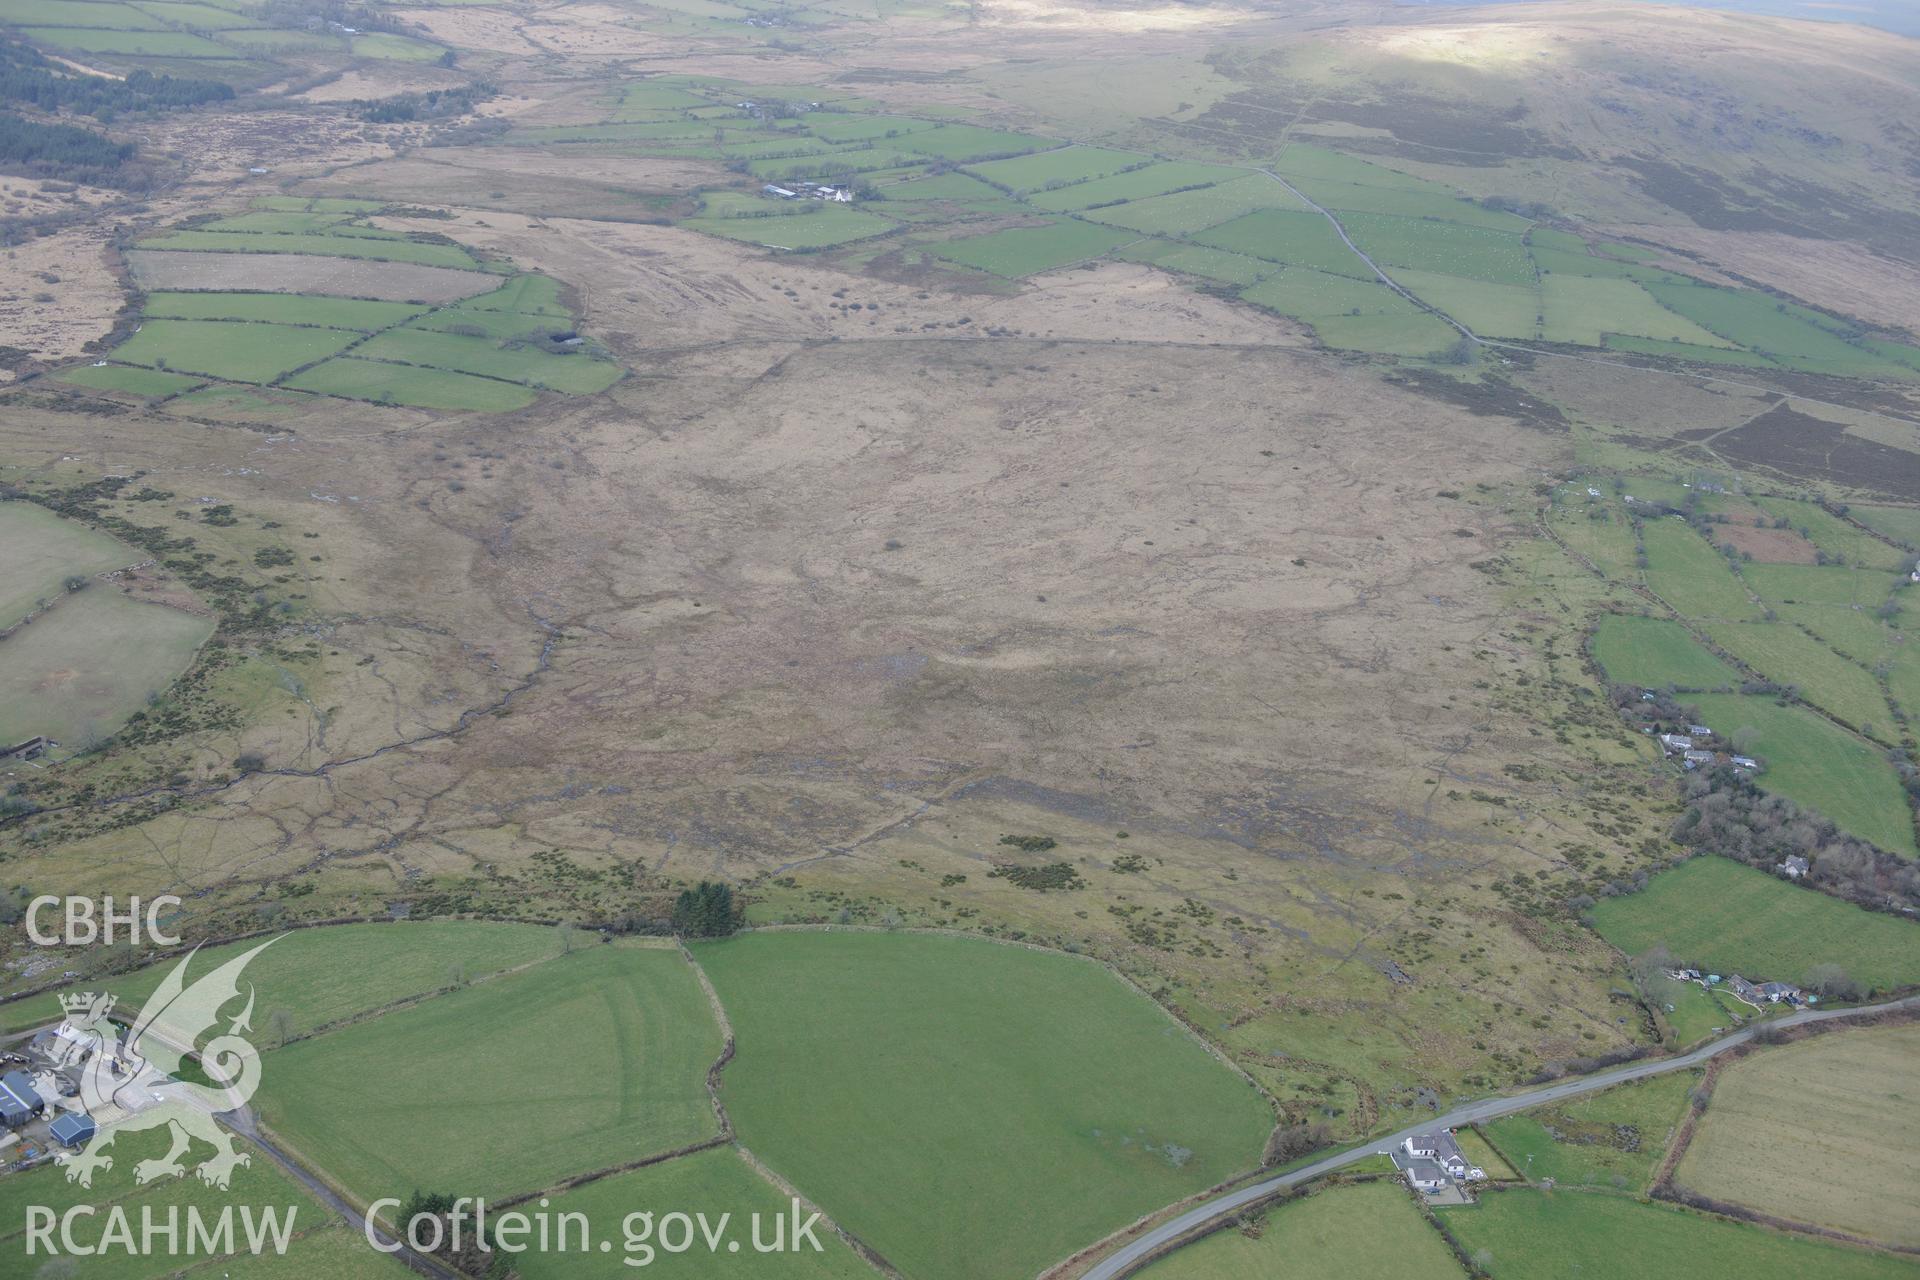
column 1744, row 990
column 72, row 1129
column 780, row 193
column 1425, row 1175
column 19, row 1100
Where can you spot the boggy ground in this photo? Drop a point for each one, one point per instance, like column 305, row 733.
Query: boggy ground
column 830, row 608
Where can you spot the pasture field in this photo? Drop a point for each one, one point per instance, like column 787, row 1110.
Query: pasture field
column 820, row 228
column 1066, row 165
column 1615, row 1138
column 320, row 976
column 715, row 1181
column 152, row 44
column 1819, row 584
column 1183, row 212
column 1294, row 239
column 1450, row 248
column 531, row 294
column 954, row 186
column 235, row 351
column 1849, row 630
column 1818, row 765
column 1156, row 179
column 1023, row 251
column 1538, row 1235
column 962, row 143
column 78, row 672
column 376, row 248
column 1787, row 655
column 1599, row 532
column 1584, row 309
column 1198, row 260
column 573, row 374
column 1837, row 536
column 1491, row 310
column 498, row 325
column 1367, row 1230
column 1686, row 572
column 257, row 1185
column 134, row 381
column 1902, row 524
column 1357, row 315
column 196, row 17
column 39, row 551
column 1789, row 335
column 412, row 385
column 1843, row 1104
column 628, row 1038
column 1352, row 197
column 1733, row 918
column 337, row 1252
column 281, row 308
column 79, row 13
column 1062, row 1103
column 1656, row 652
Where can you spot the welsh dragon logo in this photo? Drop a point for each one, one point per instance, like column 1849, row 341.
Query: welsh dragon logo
column 130, row 1085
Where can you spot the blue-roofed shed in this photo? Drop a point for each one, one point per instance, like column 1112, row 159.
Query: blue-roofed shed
column 72, row 1129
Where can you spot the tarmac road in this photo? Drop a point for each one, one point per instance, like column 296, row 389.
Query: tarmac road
column 1131, row 1256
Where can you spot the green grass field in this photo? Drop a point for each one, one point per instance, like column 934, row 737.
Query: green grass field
column 1656, row 652
column 281, row 308
column 573, row 374
column 1815, row 764
column 1198, row 260
column 1582, row 309
column 1182, row 212
column 257, row 1186
column 78, row 672
column 134, row 381
column 1819, row 584
column 236, row 351
column 1902, row 524
column 1364, row 1231
column 409, row 385
column 1068, row 164
column 1786, row 655
column 1024, row 251
column 1614, row 1139
column 1735, row 919
column 714, row 1182
column 1294, row 239
column 1491, row 310
column 320, row 976
column 970, row 1109
column 1537, row 1235
column 154, row 44
column 1450, row 248
column 1846, row 1161
column 584, row 1062
column 1137, row 184
column 39, row 551
column 1686, row 572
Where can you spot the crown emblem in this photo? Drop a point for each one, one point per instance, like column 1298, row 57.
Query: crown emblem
column 88, row 1003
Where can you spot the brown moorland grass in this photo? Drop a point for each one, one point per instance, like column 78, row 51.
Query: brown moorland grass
column 1824, row 1131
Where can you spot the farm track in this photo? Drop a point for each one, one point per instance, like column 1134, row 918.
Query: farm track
column 1137, row 1253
